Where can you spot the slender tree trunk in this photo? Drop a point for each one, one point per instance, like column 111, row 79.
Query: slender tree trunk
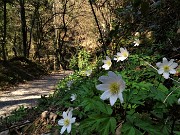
column 4, row 35
column 32, row 26
column 14, row 46
column 63, row 37
column 56, row 9
column 23, row 27
column 97, row 23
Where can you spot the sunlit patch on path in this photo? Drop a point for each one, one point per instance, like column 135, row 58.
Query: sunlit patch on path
column 28, row 93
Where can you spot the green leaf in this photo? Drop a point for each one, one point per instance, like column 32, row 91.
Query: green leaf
column 162, row 87
column 99, row 123
column 177, row 132
column 103, row 107
column 157, row 94
column 131, row 131
column 108, row 126
column 165, row 130
column 96, row 104
column 145, row 85
column 147, row 126
column 87, row 104
column 128, row 129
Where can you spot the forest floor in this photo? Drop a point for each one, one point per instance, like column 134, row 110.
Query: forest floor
column 28, row 93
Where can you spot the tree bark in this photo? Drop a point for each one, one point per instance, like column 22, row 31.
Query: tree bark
column 23, row 27
column 63, row 37
column 4, row 35
column 32, row 26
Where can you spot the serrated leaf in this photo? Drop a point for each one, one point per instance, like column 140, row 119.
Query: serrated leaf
column 88, row 105
column 103, row 107
column 108, row 126
column 147, row 125
column 157, row 94
column 96, row 122
column 162, row 87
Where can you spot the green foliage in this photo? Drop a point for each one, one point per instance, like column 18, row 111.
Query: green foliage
column 146, row 108
column 150, row 101
column 81, row 61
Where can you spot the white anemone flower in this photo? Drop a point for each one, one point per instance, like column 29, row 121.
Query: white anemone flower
column 113, row 86
column 166, row 67
column 73, row 97
column 66, row 121
column 107, row 63
column 88, row 72
column 122, row 55
column 136, row 42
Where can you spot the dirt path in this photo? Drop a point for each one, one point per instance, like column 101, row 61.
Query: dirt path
column 28, row 93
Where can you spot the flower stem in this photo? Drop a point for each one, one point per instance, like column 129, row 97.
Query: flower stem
column 170, row 94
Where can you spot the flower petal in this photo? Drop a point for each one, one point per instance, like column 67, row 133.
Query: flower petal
column 105, row 95
column 69, row 128
column 63, row 129
column 122, row 58
column 112, row 74
column 122, row 49
column 172, row 71
column 165, row 61
column 73, row 119
column 106, row 67
column 170, row 62
column 115, row 58
column 118, row 54
column 160, row 71
column 122, row 85
column 113, row 99
column 70, row 114
column 158, row 64
column 166, row 75
column 106, row 79
column 102, row 87
column 61, row 122
column 121, row 97
column 64, row 114
column 174, row 65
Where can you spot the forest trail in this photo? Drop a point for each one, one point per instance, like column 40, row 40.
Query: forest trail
column 28, row 93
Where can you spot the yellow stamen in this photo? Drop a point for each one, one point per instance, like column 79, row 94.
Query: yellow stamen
column 66, row 122
column 114, row 88
column 166, row 68
column 108, row 63
column 125, row 54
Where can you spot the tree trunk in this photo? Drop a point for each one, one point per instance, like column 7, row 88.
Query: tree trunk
column 56, row 9
column 97, row 23
column 61, row 44
column 32, row 26
column 23, row 27
column 4, row 35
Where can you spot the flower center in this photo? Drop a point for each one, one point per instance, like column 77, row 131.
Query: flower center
column 108, row 63
column 125, row 54
column 66, row 122
column 166, row 68
column 114, row 88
